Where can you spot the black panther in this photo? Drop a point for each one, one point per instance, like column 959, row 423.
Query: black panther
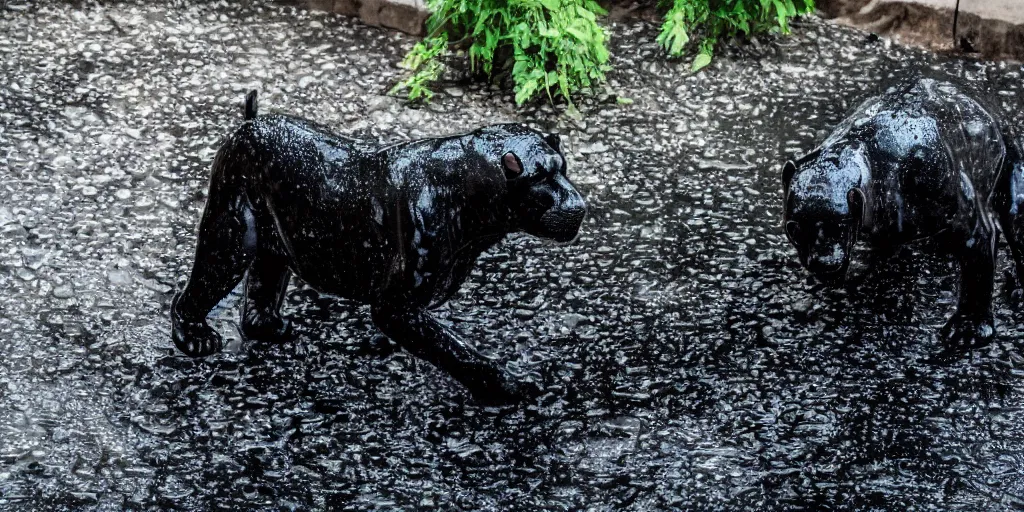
column 924, row 159
column 397, row 227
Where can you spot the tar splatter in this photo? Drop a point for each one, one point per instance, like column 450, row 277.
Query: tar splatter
column 690, row 363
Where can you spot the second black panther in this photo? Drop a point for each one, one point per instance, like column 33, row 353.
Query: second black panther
column 925, row 159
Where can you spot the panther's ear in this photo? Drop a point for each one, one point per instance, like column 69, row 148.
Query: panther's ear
column 512, row 165
column 788, row 171
column 554, row 141
column 855, row 199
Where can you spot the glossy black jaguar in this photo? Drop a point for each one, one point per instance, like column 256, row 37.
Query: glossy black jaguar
column 925, row 159
column 397, row 227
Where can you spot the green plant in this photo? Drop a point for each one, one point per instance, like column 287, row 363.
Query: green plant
column 555, row 46
column 724, row 19
column 424, row 61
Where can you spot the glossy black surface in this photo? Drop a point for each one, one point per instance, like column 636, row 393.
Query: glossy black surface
column 397, row 227
column 923, row 160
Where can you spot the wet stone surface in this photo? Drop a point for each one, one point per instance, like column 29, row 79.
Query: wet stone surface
column 690, row 362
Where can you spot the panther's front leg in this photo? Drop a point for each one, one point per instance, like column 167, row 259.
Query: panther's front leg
column 416, row 330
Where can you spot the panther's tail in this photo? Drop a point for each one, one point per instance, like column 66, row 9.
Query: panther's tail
column 250, row 105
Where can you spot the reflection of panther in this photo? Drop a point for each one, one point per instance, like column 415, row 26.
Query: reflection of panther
column 398, row 227
column 924, row 159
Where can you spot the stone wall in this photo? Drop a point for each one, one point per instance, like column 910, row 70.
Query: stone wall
column 409, row 16
column 992, row 29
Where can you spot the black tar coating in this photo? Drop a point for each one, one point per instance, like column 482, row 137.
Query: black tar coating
column 397, row 227
column 924, row 159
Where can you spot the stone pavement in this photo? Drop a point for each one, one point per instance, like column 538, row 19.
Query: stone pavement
column 689, row 362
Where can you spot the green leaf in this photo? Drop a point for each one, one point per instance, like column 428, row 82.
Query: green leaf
column 679, row 40
column 551, row 44
column 723, row 19
column 587, row 14
column 700, row 61
column 551, row 5
column 526, row 90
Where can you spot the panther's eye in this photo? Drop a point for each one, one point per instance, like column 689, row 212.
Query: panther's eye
column 512, row 166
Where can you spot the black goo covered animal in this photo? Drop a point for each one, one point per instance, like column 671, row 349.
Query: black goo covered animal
column 925, row 159
column 398, row 227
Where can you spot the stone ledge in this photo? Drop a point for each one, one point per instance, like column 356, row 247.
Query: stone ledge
column 992, row 29
column 409, row 16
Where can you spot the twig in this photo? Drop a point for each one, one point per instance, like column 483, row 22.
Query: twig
column 117, row 26
column 956, row 14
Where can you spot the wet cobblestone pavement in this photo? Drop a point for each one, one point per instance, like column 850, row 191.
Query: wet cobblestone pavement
column 691, row 364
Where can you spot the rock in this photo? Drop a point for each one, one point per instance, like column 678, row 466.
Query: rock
column 408, row 16
column 63, row 292
column 571, row 320
column 524, row 313
column 594, row 148
column 120, row 277
column 156, row 286
column 6, row 217
column 376, row 103
column 805, row 310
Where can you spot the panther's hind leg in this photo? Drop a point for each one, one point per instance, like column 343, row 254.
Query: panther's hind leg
column 265, row 285
column 226, row 246
column 1008, row 201
column 1012, row 223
